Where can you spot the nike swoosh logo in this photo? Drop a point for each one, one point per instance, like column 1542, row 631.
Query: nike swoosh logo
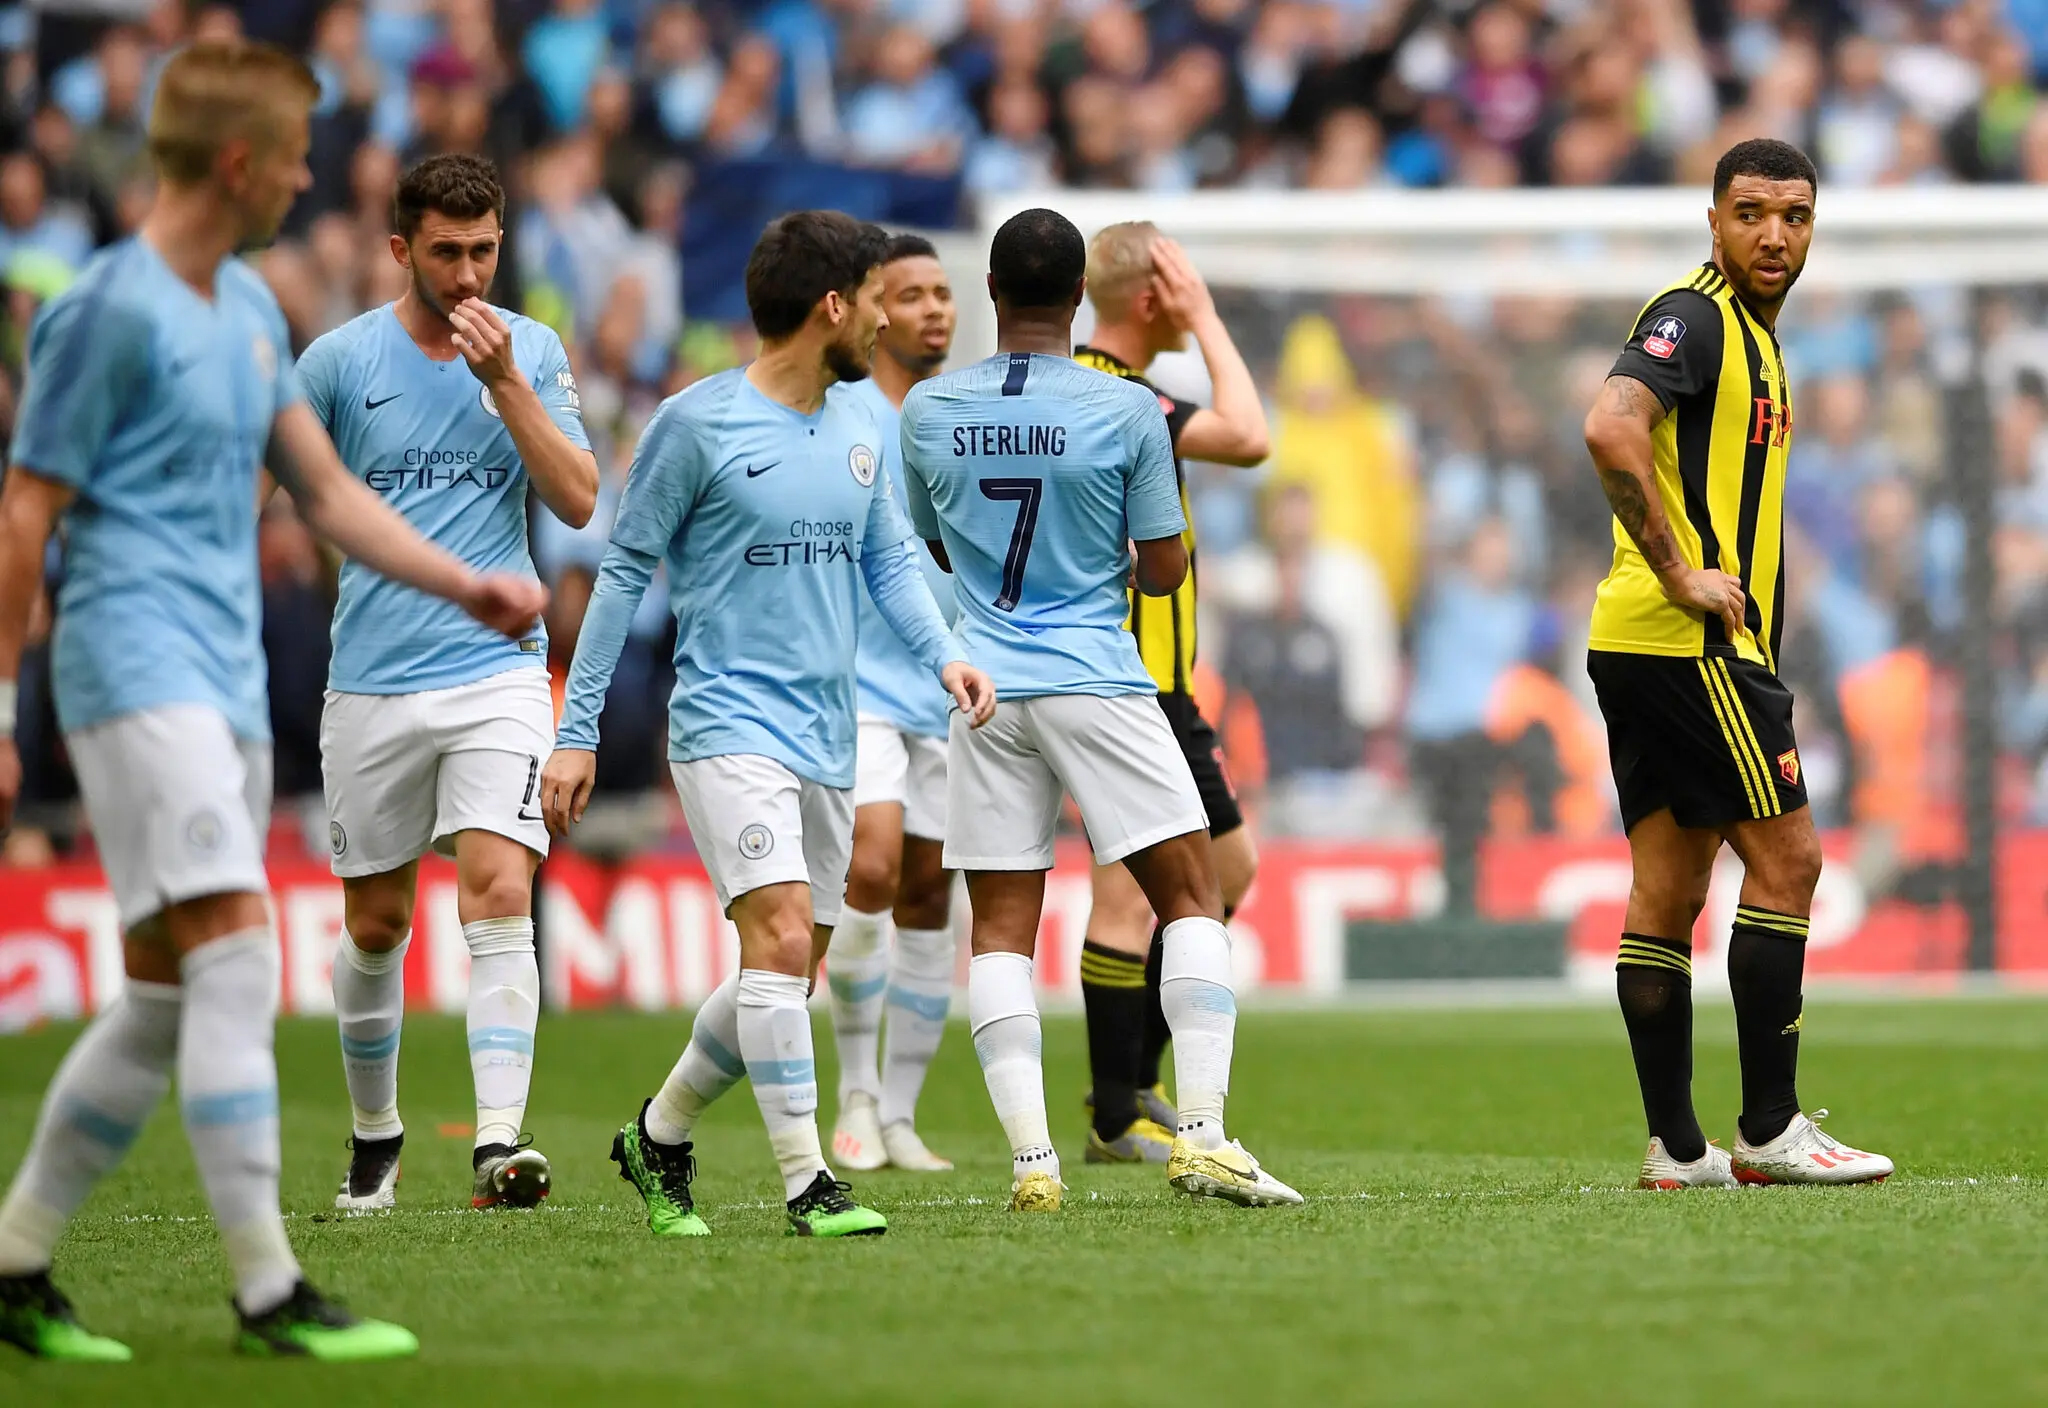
column 370, row 405
column 753, row 473
column 524, row 817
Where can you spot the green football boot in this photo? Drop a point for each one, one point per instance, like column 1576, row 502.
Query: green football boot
column 35, row 1316
column 825, row 1210
column 662, row 1173
column 310, row 1326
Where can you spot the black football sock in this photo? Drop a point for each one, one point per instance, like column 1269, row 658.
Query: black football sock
column 1653, row 980
column 1113, row 991
column 1157, row 1033
column 1766, row 962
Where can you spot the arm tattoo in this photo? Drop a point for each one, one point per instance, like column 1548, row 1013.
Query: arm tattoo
column 1632, row 507
column 1631, row 400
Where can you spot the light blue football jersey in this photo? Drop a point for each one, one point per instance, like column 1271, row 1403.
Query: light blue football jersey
column 893, row 684
column 156, row 405
column 1036, row 472
column 768, row 521
column 427, row 436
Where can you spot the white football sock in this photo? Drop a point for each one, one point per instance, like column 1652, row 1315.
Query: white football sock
column 857, row 976
column 101, row 1096
column 920, row 993
column 369, row 1005
column 504, row 1009
column 710, row 1065
column 1201, row 1012
column 1002, row 1013
column 227, row 1085
column 775, row 1042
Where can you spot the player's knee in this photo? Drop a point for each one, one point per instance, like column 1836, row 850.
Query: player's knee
column 924, row 902
column 501, row 895
column 872, row 879
column 1787, row 872
column 377, row 923
column 1667, row 906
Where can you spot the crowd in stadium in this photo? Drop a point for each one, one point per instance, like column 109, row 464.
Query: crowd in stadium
column 1417, row 557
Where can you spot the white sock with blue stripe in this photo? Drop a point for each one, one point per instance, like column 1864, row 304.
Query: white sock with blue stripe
column 369, row 1005
column 101, row 1096
column 775, row 1042
column 920, row 993
column 709, row 1066
column 1002, row 1012
column 1201, row 1012
column 227, row 1087
column 857, row 977
column 504, row 1009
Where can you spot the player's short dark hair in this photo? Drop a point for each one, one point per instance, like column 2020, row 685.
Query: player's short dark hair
column 802, row 257
column 1037, row 260
column 459, row 187
column 908, row 247
column 1766, row 157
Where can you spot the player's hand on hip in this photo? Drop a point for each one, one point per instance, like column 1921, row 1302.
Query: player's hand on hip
column 1713, row 592
column 10, row 783
column 484, row 341
column 508, row 604
column 1182, row 295
column 972, row 690
column 565, row 786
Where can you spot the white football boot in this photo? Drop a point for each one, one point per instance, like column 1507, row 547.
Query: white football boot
column 1709, row 1170
column 857, row 1140
column 1805, row 1153
column 371, row 1183
column 1228, row 1172
column 907, row 1151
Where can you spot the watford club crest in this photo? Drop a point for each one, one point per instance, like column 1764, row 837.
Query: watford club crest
column 1788, row 766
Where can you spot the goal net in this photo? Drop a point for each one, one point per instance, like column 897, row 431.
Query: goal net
column 1394, row 606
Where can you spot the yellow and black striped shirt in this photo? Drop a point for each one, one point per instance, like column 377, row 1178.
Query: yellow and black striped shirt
column 1164, row 626
column 1720, row 456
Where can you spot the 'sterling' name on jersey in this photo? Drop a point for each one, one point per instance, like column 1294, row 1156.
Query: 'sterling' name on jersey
column 972, row 440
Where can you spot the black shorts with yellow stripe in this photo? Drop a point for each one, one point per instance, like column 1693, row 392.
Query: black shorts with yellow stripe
column 1711, row 739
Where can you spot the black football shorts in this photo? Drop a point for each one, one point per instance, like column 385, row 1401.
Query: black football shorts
column 1711, row 738
column 1205, row 759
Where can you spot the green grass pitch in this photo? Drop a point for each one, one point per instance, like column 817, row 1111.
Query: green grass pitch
column 1469, row 1237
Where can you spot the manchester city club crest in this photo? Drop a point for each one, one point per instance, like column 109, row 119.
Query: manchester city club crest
column 862, row 462
column 756, row 841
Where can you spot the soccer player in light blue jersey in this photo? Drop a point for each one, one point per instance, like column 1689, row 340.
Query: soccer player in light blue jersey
column 1034, row 475
column 436, row 728
column 760, row 490
column 899, row 794
column 159, row 385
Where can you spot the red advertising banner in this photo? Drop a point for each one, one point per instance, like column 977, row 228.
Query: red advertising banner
column 648, row 934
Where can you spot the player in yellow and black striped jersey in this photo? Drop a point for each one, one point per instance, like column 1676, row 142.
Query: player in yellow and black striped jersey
column 1691, row 436
column 1148, row 299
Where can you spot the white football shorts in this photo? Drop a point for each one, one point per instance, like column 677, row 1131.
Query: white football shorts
column 1115, row 754
column 406, row 772
column 757, row 823
column 895, row 765
column 179, row 806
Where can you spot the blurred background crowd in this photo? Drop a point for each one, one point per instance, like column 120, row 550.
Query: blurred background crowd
column 1395, row 605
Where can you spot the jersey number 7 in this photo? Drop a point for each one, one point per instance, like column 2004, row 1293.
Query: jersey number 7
column 1026, row 494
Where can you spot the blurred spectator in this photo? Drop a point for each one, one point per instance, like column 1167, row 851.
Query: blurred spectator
column 911, row 115
column 1856, row 133
column 29, row 224
column 1017, row 155
column 1331, row 584
column 1474, row 628
column 1984, row 143
column 1348, row 453
column 563, row 52
column 1834, row 459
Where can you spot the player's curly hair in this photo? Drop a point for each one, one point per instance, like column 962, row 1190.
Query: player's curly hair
column 1766, row 157
column 803, row 256
column 459, row 187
